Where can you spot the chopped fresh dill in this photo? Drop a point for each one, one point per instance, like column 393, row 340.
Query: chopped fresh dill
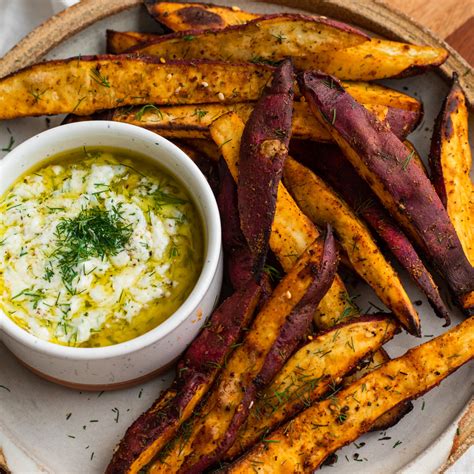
column 162, row 198
column 9, row 147
column 272, row 272
column 37, row 94
column 262, row 60
column 99, row 78
column 199, row 113
column 280, row 38
column 78, row 103
column 407, row 160
column 94, row 232
column 188, row 37
column 92, row 154
column 139, row 114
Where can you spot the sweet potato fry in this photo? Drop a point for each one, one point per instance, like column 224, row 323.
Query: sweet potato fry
column 263, row 151
column 323, row 206
column 282, row 323
column 312, row 372
column 302, row 444
column 196, row 16
column 292, row 232
column 118, row 42
column 450, row 162
column 87, row 84
column 374, row 59
column 196, row 372
column 268, row 39
column 385, row 163
column 193, row 121
column 329, row 162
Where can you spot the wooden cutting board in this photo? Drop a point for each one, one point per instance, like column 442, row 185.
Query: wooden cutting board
column 451, row 20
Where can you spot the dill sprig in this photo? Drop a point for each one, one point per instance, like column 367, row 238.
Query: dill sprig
column 163, row 198
column 99, row 78
column 139, row 114
column 94, row 232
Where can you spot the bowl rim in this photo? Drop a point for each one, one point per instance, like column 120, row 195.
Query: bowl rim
column 212, row 251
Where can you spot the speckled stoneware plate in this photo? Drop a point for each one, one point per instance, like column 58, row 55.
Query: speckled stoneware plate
column 48, row 428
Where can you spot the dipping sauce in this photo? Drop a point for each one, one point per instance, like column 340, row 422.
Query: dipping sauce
column 97, row 246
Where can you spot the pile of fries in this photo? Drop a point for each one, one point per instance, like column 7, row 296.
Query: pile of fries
column 310, row 165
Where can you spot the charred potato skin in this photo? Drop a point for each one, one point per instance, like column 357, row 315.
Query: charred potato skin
column 377, row 59
column 450, row 164
column 383, row 161
column 198, row 16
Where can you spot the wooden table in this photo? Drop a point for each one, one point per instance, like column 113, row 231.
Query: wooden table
column 452, row 20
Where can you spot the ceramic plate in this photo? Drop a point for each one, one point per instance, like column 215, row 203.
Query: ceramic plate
column 47, row 428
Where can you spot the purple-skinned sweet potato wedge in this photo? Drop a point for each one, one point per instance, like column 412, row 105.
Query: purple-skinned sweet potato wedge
column 329, row 162
column 385, row 164
column 277, row 330
column 239, row 259
column 263, row 150
column 196, row 371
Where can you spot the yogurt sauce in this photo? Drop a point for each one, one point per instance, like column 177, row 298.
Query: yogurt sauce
column 96, row 248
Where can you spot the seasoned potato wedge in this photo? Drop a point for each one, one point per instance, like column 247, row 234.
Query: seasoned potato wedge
column 305, row 442
column 193, row 121
column 323, row 206
column 311, row 372
column 87, row 84
column 274, row 334
column 450, row 162
column 292, row 232
column 268, row 39
column 196, row 16
column 387, row 166
column 374, row 59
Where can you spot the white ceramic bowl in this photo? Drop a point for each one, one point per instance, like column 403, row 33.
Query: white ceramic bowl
column 135, row 360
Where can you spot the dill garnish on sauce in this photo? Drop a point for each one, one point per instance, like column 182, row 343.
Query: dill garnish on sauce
column 94, row 232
